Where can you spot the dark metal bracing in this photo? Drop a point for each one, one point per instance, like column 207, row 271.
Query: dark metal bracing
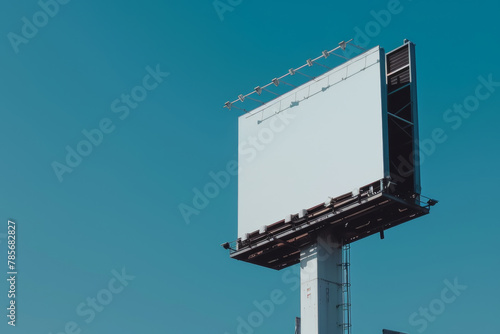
column 350, row 217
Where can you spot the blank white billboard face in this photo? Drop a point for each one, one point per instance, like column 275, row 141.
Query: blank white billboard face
column 322, row 139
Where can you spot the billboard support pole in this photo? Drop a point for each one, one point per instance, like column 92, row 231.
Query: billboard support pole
column 321, row 283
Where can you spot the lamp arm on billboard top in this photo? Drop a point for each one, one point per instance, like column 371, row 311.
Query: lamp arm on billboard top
column 276, row 81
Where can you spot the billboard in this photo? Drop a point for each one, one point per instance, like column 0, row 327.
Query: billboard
column 321, row 140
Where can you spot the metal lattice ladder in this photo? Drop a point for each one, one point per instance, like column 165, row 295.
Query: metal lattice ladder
column 346, row 289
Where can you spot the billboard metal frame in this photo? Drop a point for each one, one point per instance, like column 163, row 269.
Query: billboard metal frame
column 351, row 216
column 371, row 209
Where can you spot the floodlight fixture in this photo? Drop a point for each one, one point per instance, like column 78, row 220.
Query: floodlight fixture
column 432, row 202
column 371, row 190
column 258, row 90
column 276, row 81
column 228, row 105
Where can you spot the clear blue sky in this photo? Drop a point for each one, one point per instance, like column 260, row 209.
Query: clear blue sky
column 119, row 206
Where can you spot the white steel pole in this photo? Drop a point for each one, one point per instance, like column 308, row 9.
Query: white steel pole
column 321, row 287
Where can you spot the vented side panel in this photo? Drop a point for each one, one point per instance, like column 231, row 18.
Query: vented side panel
column 402, row 119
